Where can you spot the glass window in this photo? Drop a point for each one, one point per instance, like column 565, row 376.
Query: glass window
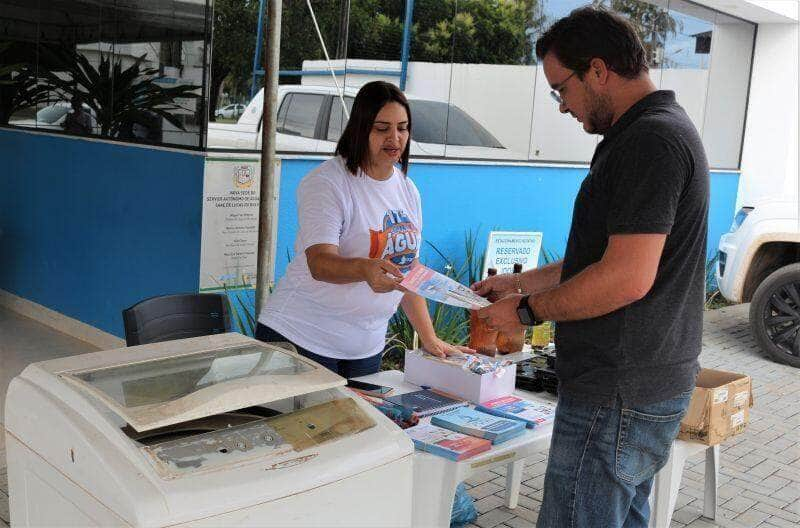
column 684, row 57
column 435, row 122
column 129, row 70
column 302, row 115
column 281, row 119
column 338, row 117
column 731, row 48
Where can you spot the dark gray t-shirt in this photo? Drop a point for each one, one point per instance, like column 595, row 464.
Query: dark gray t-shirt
column 648, row 175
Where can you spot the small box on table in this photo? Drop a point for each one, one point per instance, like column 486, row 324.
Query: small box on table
column 719, row 409
column 448, row 376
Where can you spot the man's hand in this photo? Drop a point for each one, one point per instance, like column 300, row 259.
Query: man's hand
column 497, row 287
column 381, row 275
column 440, row 348
column 502, row 315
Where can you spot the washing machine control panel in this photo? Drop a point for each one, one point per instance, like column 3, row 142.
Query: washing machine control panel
column 217, row 448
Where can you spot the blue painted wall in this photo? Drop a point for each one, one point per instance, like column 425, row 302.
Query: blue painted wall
column 89, row 228
column 457, row 198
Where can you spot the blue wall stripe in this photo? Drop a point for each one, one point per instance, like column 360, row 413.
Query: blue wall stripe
column 88, row 228
column 457, row 198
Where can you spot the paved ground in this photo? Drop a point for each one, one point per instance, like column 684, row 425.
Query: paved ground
column 24, row 341
column 760, row 469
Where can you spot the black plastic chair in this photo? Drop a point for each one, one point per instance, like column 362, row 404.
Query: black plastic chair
column 169, row 317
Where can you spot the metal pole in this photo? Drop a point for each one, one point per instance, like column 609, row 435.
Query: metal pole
column 406, row 43
column 259, row 43
column 268, row 209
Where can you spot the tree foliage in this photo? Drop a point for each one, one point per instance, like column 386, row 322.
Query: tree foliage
column 653, row 24
column 234, row 39
column 463, row 31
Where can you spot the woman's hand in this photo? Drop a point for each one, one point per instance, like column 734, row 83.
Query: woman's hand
column 440, row 348
column 381, row 275
column 497, row 287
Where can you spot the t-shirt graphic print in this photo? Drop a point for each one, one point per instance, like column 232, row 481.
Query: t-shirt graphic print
column 397, row 241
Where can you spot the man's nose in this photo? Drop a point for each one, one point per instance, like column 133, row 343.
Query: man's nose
column 563, row 108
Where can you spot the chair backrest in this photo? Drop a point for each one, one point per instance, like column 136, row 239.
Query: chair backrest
column 169, row 317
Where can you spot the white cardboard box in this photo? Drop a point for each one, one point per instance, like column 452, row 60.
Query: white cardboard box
column 437, row 374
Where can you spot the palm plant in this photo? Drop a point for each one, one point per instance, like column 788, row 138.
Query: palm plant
column 19, row 87
column 120, row 97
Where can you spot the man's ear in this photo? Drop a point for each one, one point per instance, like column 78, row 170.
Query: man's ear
column 598, row 70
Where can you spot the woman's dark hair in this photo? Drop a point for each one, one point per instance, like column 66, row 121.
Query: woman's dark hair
column 353, row 146
column 589, row 33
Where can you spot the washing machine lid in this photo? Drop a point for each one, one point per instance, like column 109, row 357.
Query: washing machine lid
column 153, row 386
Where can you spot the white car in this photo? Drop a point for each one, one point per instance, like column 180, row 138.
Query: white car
column 310, row 120
column 759, row 263
column 52, row 117
column 231, row 111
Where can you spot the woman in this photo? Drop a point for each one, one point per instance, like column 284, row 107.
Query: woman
column 360, row 223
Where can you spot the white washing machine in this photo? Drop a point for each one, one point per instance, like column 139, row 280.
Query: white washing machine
column 211, row 431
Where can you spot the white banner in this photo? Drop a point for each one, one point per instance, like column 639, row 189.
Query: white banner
column 229, row 247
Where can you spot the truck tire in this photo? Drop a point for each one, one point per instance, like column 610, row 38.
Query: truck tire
column 775, row 315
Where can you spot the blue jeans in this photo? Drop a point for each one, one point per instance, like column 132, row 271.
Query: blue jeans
column 603, row 459
column 346, row 368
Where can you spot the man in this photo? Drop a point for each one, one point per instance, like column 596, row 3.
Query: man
column 78, row 120
column 628, row 296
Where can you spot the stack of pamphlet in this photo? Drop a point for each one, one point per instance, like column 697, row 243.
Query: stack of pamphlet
column 446, row 443
column 531, row 413
column 477, row 423
column 425, row 402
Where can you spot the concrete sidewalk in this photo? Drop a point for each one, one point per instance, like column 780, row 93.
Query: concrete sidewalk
column 759, row 481
column 759, row 473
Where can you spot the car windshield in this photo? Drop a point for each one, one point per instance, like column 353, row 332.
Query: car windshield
column 51, row 114
column 428, row 122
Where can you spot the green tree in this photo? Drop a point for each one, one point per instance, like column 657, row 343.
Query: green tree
column 653, row 24
column 234, row 39
column 466, row 31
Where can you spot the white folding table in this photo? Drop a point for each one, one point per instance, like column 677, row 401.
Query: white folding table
column 436, row 478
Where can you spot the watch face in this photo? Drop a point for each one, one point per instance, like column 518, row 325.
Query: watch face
column 524, row 316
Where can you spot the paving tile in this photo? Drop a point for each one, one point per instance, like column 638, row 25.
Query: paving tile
column 752, row 517
column 493, row 518
column 488, row 503
column 519, row 522
column 480, row 478
column 4, row 515
column 702, row 522
column 687, row 514
column 484, row 490
column 778, row 512
column 523, row 513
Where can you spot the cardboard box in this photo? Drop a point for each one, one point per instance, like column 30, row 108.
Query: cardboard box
column 719, row 409
column 439, row 374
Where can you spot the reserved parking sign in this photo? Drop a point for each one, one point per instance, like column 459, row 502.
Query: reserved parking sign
column 506, row 248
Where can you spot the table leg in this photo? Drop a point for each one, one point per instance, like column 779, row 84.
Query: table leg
column 711, row 477
column 665, row 488
column 513, row 480
column 435, row 481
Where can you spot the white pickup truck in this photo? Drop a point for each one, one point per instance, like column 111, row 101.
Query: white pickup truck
column 310, row 120
column 759, row 263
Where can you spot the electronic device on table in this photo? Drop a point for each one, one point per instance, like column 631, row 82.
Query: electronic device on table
column 538, row 373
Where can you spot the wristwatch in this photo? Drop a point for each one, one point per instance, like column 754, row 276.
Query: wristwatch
column 525, row 313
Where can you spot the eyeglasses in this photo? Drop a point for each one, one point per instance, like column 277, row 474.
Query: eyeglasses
column 554, row 93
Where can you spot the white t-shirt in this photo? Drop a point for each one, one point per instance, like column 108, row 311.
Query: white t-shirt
column 365, row 218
